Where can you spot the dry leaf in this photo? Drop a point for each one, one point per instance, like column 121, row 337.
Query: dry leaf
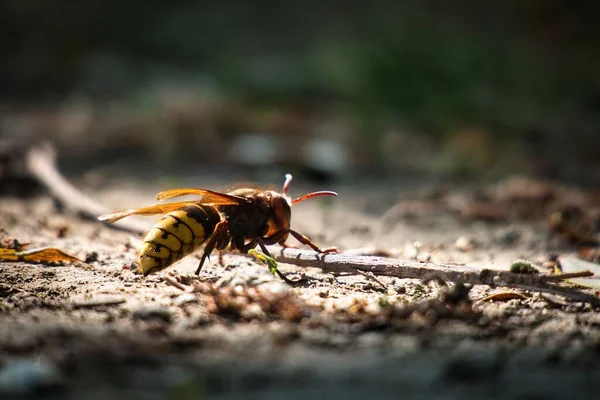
column 503, row 296
column 45, row 255
column 573, row 264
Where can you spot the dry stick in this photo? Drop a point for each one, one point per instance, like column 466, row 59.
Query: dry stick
column 415, row 270
column 567, row 292
column 568, row 275
column 169, row 280
column 41, row 164
column 371, row 276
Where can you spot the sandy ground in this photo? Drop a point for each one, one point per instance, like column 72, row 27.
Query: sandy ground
column 97, row 330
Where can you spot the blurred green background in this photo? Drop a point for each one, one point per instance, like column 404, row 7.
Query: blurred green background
column 465, row 88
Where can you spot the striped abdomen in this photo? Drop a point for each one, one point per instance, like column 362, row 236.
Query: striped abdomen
column 177, row 235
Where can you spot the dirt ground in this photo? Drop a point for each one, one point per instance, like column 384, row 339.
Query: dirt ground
column 98, row 331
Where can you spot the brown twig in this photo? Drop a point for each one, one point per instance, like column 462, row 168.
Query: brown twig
column 41, row 164
column 568, row 275
column 169, row 280
column 570, row 293
column 371, row 276
column 337, row 263
column 411, row 269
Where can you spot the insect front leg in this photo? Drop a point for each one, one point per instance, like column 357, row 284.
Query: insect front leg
column 263, row 248
column 219, row 236
column 277, row 236
column 304, row 240
column 250, row 245
column 285, row 245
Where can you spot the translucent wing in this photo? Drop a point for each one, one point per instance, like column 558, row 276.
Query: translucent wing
column 208, row 196
column 150, row 210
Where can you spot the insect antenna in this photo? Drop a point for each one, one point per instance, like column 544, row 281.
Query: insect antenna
column 286, row 184
column 314, row 194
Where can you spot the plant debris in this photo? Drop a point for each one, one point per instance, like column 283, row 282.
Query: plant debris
column 45, row 255
column 502, row 296
column 523, row 267
column 572, row 264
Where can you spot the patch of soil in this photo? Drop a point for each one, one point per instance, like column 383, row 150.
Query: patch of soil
column 242, row 333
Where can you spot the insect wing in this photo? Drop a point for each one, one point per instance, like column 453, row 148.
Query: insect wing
column 208, row 196
column 150, row 210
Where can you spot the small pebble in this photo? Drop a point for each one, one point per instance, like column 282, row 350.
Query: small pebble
column 185, row 299
column 252, row 311
column 507, row 237
column 91, row 257
column 26, row 377
column 153, row 313
column 464, row 244
column 411, row 250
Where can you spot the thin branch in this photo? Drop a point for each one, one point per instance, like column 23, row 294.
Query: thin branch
column 568, row 275
column 41, row 164
column 410, row 269
column 338, row 263
column 570, row 293
column 169, row 280
column 371, row 276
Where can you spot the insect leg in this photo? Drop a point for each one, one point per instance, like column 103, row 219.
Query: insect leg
column 261, row 243
column 220, row 234
column 287, row 280
column 274, row 238
column 277, row 236
column 304, row 240
column 250, row 245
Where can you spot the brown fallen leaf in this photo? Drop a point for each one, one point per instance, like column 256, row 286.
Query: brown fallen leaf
column 502, row 296
column 45, row 255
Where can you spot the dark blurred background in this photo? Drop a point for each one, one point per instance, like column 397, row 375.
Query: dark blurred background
column 380, row 88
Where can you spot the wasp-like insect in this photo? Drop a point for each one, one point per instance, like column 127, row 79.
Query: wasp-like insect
column 238, row 220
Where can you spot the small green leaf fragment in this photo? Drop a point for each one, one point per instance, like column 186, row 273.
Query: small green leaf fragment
column 270, row 261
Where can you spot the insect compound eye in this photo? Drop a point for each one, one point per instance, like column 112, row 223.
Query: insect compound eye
column 282, row 211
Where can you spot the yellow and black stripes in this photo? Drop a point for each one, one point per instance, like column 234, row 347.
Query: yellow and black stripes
column 176, row 235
